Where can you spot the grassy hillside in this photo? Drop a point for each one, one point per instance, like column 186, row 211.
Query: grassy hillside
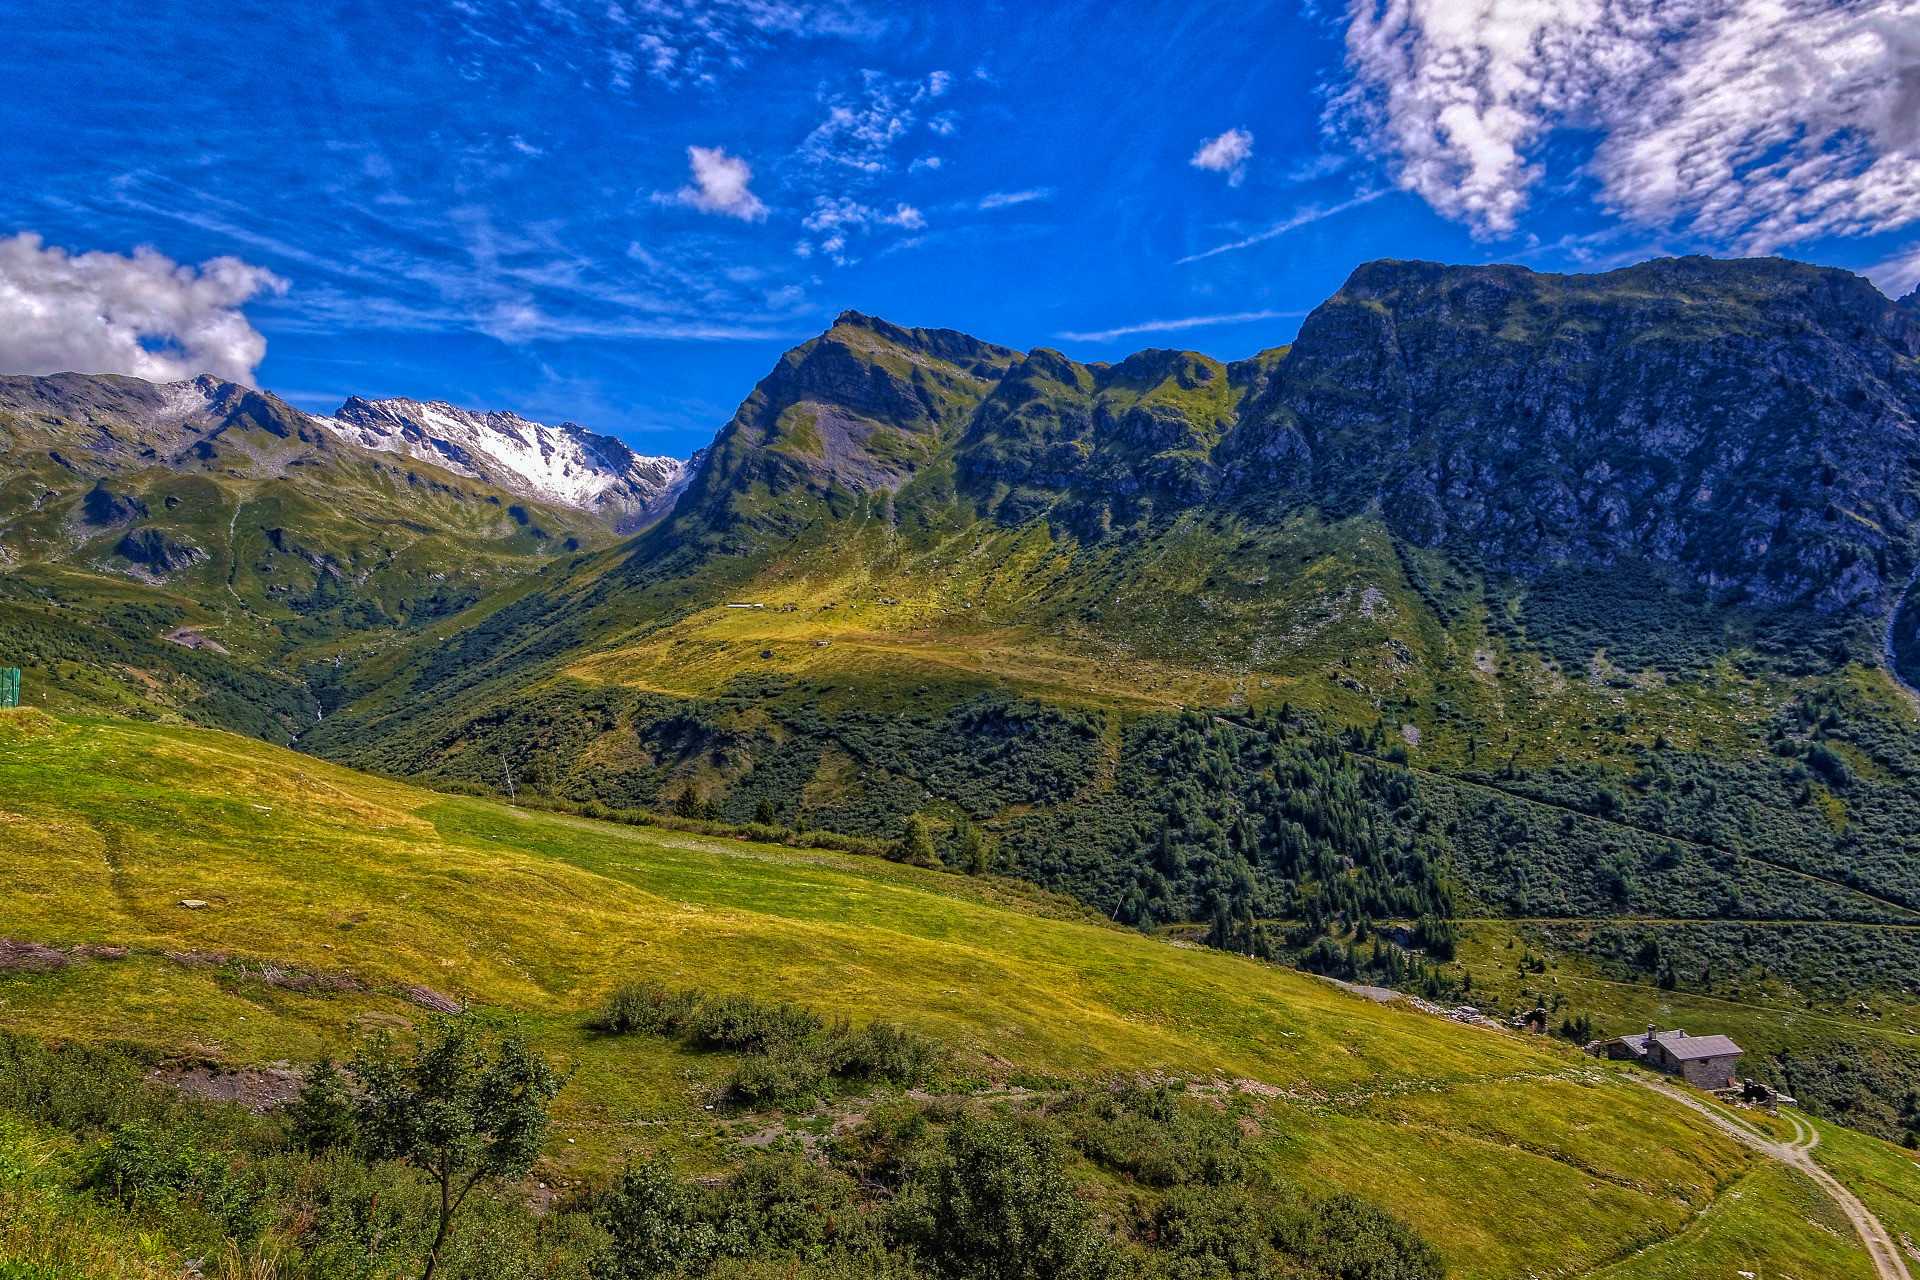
column 197, row 552
column 331, row 894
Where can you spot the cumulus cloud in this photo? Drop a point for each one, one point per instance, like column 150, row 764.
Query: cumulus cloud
column 144, row 315
column 1751, row 123
column 1226, row 154
column 719, row 185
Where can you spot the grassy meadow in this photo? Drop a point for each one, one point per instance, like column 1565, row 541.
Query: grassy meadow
column 1511, row 1154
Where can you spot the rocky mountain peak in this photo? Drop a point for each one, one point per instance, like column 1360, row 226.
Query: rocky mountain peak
column 565, row 464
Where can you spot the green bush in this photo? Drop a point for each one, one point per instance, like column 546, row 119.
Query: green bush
column 1153, row 1135
column 1345, row 1238
column 322, row 1116
column 879, row 1051
column 789, row 1074
column 175, row 1175
column 645, row 1007
column 997, row 1205
column 744, row 1024
column 653, row 1225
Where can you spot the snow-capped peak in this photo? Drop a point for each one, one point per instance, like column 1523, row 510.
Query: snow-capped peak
column 567, row 465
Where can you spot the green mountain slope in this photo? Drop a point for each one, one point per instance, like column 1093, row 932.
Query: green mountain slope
column 336, row 903
column 1496, row 595
column 193, row 550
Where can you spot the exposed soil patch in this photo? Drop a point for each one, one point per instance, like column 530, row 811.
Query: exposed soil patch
column 192, row 639
column 32, row 957
column 265, row 971
column 257, row 1089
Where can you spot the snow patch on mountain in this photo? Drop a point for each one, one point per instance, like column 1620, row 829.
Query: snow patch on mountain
column 566, row 465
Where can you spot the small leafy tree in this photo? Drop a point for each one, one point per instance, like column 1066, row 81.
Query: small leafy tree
column 455, row 1106
column 915, row 843
column 975, row 858
column 763, row 812
column 322, row 1115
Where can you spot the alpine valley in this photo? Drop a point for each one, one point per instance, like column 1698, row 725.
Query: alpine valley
column 1514, row 640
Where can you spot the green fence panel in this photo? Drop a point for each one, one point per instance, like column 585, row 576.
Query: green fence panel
column 9, row 686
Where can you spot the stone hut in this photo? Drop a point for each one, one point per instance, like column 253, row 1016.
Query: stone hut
column 1705, row 1062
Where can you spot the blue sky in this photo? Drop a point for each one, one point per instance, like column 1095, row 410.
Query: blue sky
column 620, row 213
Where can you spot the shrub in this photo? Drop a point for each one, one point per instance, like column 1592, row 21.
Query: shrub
column 645, row 1006
column 788, row 1074
column 322, row 1116
column 915, row 844
column 744, row 1024
column 651, row 1218
column 175, row 1174
column 1151, row 1134
column 880, row 1051
column 1213, row 1232
column 998, row 1206
column 1345, row 1238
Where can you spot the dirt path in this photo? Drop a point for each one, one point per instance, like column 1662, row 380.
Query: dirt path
column 1799, row 1154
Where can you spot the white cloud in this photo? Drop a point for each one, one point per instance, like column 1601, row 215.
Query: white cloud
column 1899, row 275
column 1292, row 222
column 673, row 42
column 1226, row 154
column 843, row 213
column 838, row 217
column 1002, row 199
column 860, row 129
column 1168, row 326
column 143, row 315
column 719, row 185
column 1750, row 123
column 925, row 162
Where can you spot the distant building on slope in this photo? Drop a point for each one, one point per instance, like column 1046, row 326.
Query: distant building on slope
column 1706, row 1062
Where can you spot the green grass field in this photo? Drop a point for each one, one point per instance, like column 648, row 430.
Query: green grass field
column 1512, row 1155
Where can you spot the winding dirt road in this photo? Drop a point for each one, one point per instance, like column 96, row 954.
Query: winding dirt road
column 1799, row 1154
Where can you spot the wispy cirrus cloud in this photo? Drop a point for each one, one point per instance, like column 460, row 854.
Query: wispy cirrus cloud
column 1754, row 124
column 861, row 128
column 853, row 148
column 621, row 43
column 141, row 314
column 1292, row 222
column 1174, row 326
column 1006, row 199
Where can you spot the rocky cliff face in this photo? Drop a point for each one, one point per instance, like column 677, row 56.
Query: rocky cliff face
column 1748, row 427
column 857, row 411
column 567, row 465
column 119, row 423
column 1750, row 424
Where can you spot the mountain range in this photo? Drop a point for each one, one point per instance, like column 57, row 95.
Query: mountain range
column 1572, row 602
